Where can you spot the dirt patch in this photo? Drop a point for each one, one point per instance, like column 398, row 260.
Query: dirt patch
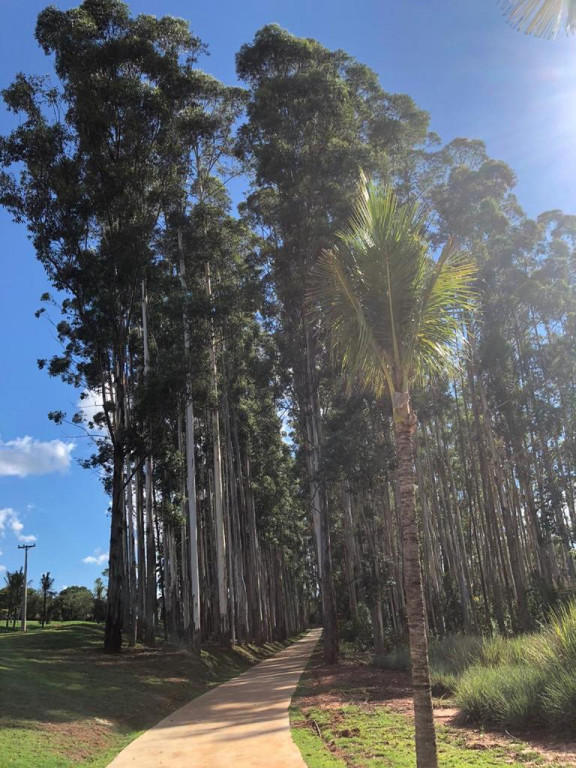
column 352, row 682
column 81, row 739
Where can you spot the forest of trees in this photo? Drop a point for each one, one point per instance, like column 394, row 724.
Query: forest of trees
column 251, row 493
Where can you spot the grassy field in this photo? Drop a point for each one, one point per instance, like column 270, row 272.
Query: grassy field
column 356, row 716
column 64, row 703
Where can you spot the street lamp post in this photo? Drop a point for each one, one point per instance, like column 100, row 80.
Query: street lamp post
column 25, row 547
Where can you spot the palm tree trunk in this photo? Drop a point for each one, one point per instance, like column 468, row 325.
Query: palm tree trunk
column 426, row 753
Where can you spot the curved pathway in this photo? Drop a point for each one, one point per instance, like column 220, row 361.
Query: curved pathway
column 240, row 724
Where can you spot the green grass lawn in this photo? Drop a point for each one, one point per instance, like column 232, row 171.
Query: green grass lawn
column 379, row 738
column 63, row 702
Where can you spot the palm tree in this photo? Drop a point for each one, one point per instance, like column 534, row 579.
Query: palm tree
column 46, row 583
column 391, row 313
column 542, row 18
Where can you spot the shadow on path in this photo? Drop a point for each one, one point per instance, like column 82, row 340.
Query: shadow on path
column 241, row 724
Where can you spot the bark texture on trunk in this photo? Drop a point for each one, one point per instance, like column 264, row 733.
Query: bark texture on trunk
column 114, row 615
column 193, row 574
column 426, row 751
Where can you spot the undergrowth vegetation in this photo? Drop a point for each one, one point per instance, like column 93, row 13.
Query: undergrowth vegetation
column 512, row 682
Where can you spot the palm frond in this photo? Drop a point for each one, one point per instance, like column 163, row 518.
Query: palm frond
column 542, row 18
column 334, row 294
column 437, row 339
column 387, row 242
column 390, row 309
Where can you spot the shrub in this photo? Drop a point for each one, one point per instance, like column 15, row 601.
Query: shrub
column 398, row 659
column 358, row 631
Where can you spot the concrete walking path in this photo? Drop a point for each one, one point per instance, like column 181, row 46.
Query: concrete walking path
column 240, row 724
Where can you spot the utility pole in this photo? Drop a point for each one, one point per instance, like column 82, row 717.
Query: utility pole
column 25, row 547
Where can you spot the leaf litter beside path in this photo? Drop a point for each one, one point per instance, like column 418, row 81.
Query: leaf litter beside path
column 355, row 715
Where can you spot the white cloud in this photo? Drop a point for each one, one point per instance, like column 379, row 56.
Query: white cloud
column 98, row 558
column 10, row 520
column 2, row 568
column 26, row 456
column 91, row 403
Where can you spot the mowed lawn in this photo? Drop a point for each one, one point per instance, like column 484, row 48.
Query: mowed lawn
column 63, row 702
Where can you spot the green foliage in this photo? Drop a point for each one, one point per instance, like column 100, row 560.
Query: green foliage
column 398, row 658
column 74, row 604
column 358, row 630
column 526, row 679
column 12, row 595
column 508, row 695
column 558, row 700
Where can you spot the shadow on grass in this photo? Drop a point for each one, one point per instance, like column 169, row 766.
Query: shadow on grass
column 60, row 674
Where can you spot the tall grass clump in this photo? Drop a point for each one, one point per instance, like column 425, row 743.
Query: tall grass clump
column 508, row 695
column 559, row 699
column 526, row 680
column 514, row 682
column 449, row 657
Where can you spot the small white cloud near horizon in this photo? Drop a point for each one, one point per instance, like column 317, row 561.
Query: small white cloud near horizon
column 26, row 456
column 2, row 568
column 98, row 558
column 10, row 520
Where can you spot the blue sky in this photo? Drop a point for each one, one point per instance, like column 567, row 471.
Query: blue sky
column 457, row 58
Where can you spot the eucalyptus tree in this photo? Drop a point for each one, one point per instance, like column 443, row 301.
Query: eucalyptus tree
column 391, row 312
column 315, row 117
column 95, row 160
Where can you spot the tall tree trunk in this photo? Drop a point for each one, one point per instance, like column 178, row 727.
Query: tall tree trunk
column 350, row 552
column 426, row 752
column 150, row 609
column 114, row 614
column 141, row 545
column 131, row 569
column 115, row 608
column 193, row 560
column 220, row 523
column 320, row 515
